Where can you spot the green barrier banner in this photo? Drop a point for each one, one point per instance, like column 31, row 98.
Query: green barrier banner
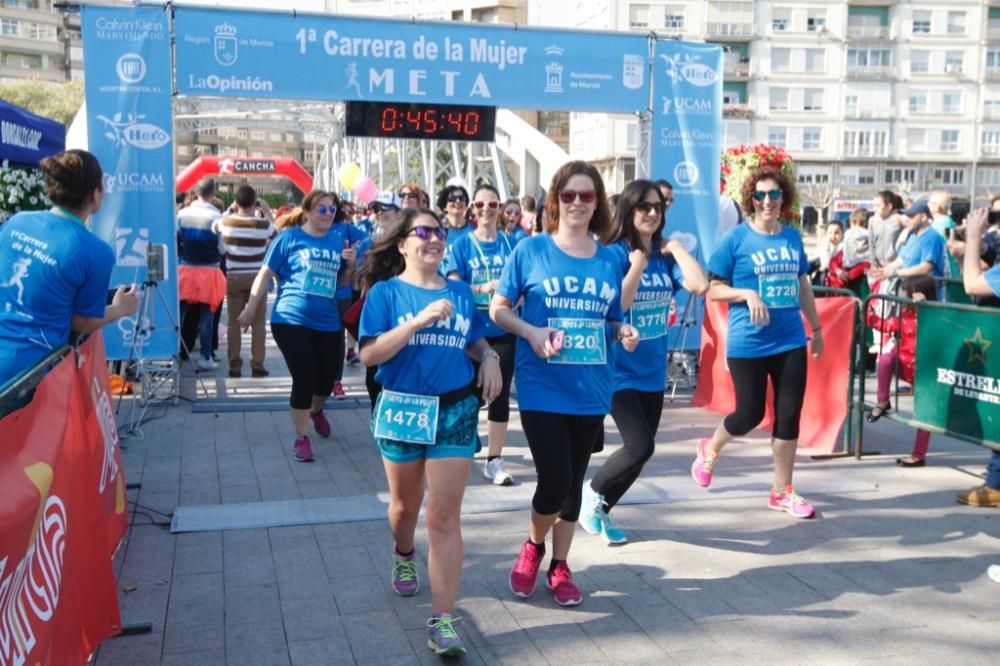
column 957, row 384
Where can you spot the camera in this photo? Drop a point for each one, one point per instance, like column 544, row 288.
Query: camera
column 156, row 262
column 994, row 217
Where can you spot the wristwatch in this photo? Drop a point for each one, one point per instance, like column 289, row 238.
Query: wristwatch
column 490, row 353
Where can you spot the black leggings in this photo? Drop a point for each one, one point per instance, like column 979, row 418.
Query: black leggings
column 499, row 409
column 340, row 343
column 637, row 415
column 787, row 371
column 309, row 355
column 372, row 386
column 560, row 446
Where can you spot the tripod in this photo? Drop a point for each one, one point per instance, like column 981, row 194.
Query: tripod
column 158, row 379
column 680, row 367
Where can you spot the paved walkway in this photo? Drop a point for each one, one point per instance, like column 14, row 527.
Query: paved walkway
column 891, row 570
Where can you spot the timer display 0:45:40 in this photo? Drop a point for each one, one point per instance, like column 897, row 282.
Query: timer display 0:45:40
column 430, row 121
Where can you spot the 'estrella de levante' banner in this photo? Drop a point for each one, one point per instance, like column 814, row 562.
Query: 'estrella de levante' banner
column 129, row 127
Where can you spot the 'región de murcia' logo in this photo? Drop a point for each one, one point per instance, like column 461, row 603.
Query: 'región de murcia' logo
column 29, row 588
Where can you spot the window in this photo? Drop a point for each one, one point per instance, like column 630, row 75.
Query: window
column 812, row 137
column 778, row 137
column 991, row 142
column 673, row 18
column 868, row 58
column 22, row 61
column 779, row 99
column 812, row 99
column 988, row 177
column 949, row 141
column 815, row 60
column 781, row 19
column 852, row 105
column 10, row 27
column 183, row 150
column 920, row 62
column 781, row 60
column 631, row 136
column 866, row 176
column 865, row 143
column 951, row 102
column 991, row 108
column 921, row 22
column 810, row 177
column 897, row 175
column 950, row 176
column 20, row 4
column 816, row 21
column 953, row 61
column 242, row 134
column 956, row 23
column 638, row 16
column 993, row 60
column 918, row 101
column 916, row 139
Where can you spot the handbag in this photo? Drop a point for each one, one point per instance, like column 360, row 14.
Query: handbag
column 352, row 318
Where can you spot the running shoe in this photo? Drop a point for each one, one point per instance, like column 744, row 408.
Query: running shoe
column 591, row 510
column 302, row 449
column 442, row 638
column 206, row 364
column 405, row 581
column 704, row 463
column 791, row 503
column 494, row 471
column 564, row 590
column 338, row 391
column 525, row 571
column 610, row 532
column 352, row 357
column 320, row 423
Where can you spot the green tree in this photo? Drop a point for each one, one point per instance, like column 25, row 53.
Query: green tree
column 58, row 101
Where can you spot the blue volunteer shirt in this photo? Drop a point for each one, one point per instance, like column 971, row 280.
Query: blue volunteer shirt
column 307, row 269
column 645, row 369
column 454, row 235
column 51, row 268
column 927, row 246
column 434, row 362
column 993, row 279
column 557, row 285
column 770, row 266
column 356, row 237
column 518, row 235
column 477, row 263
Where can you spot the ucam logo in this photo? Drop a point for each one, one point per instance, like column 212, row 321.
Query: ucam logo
column 133, row 181
column 129, row 131
column 131, row 68
column 686, row 174
column 226, row 49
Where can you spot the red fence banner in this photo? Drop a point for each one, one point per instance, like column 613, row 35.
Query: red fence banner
column 58, row 597
column 825, row 405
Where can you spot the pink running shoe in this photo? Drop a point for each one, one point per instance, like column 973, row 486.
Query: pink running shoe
column 320, row 423
column 704, row 463
column 338, row 391
column 525, row 571
column 791, row 503
column 302, row 449
column 564, row 590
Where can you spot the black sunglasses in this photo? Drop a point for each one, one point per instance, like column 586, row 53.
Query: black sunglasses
column 645, row 208
column 407, row 195
column 760, row 195
column 425, row 233
column 377, row 207
column 458, row 197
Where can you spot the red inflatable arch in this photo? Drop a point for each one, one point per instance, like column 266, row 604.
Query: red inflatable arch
column 244, row 166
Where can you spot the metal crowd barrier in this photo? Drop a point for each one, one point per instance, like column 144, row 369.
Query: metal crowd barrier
column 18, row 393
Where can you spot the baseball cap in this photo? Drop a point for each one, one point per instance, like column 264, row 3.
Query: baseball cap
column 387, row 199
column 917, row 208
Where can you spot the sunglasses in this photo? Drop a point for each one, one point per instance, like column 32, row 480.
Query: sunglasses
column 760, row 195
column 379, row 207
column 569, row 196
column 425, row 233
column 646, row 208
column 492, row 205
column 513, row 212
column 458, row 197
column 326, row 210
column 407, row 195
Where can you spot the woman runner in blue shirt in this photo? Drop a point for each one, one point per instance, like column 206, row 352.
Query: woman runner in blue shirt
column 421, row 330
column 760, row 268
column 654, row 272
column 571, row 313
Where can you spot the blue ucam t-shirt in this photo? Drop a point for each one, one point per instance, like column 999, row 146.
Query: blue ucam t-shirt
column 434, row 362
column 579, row 297
column 645, row 369
column 517, row 235
column 477, row 263
column 454, row 235
column 924, row 247
column 51, row 268
column 770, row 266
column 993, row 279
column 356, row 237
column 307, row 269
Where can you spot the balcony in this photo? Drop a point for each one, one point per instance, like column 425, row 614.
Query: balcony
column 869, row 114
column 991, row 113
column 992, row 74
column 876, row 72
column 851, row 150
column 737, row 111
column 737, row 70
column 990, row 150
column 868, row 32
column 722, row 30
column 993, row 32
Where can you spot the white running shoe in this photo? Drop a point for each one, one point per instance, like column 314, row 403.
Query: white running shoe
column 994, row 573
column 495, row 472
column 206, row 364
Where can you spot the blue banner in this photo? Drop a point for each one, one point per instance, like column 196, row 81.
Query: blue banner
column 252, row 54
column 130, row 125
column 26, row 138
column 687, row 148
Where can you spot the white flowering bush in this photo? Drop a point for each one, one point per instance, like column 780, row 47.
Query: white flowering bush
column 21, row 189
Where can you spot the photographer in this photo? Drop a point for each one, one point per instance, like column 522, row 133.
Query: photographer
column 988, row 248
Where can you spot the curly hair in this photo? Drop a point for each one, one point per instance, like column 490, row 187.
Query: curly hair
column 748, row 203
column 600, row 223
column 297, row 217
column 383, row 260
column 71, row 177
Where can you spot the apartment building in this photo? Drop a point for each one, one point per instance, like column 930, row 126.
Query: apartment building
column 865, row 94
column 37, row 43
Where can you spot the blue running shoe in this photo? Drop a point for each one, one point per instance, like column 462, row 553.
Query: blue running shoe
column 442, row 638
column 591, row 510
column 610, row 532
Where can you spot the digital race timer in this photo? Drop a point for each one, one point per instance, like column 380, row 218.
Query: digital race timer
column 440, row 122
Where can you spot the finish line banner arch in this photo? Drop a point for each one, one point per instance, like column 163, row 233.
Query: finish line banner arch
column 244, row 166
column 235, row 53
